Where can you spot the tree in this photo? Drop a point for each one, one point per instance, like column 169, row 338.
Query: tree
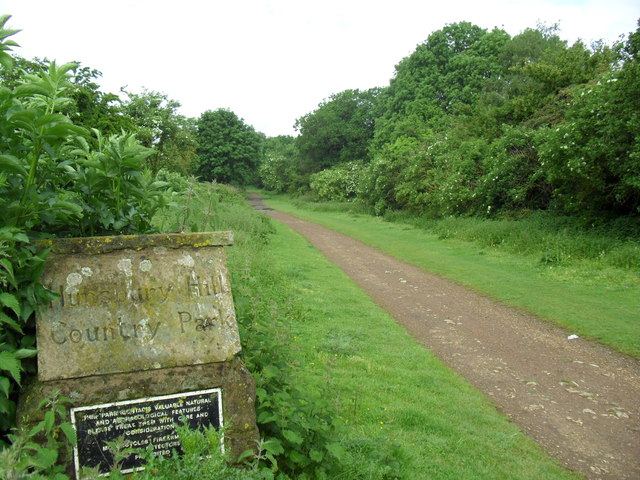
column 278, row 170
column 228, row 148
column 157, row 124
column 95, row 109
column 450, row 68
column 338, row 131
column 593, row 157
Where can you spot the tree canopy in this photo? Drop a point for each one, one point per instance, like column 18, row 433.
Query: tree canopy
column 229, row 149
column 339, row 130
column 476, row 121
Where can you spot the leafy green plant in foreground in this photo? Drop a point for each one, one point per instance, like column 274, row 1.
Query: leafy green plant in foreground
column 54, row 181
column 34, row 454
column 20, row 295
column 203, row 457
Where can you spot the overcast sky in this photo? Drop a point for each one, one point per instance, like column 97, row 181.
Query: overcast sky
column 271, row 62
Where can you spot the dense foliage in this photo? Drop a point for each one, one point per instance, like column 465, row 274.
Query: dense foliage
column 228, row 148
column 338, row 131
column 278, row 169
column 479, row 122
column 56, row 178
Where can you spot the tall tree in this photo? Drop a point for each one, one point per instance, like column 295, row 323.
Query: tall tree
column 444, row 74
column 338, row 131
column 229, row 149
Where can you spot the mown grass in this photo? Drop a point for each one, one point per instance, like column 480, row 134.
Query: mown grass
column 405, row 414
column 547, row 275
column 397, row 411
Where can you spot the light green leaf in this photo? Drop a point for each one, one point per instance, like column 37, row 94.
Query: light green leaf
column 52, row 118
column 4, row 385
column 316, row 455
column 266, row 417
column 25, row 352
column 11, row 322
column 244, row 455
column 297, row 457
column 6, row 405
column 30, row 89
column 11, row 164
column 11, row 364
column 292, row 436
column 49, row 420
column 69, row 432
column 7, row 265
column 9, row 300
column 336, row 450
column 36, row 429
column 45, row 458
column 273, row 446
column 68, row 207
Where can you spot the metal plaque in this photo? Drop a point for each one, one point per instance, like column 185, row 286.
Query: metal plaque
column 139, row 423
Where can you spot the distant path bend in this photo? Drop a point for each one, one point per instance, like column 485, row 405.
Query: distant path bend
column 579, row 400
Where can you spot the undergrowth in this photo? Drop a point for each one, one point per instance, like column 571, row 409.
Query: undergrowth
column 554, row 239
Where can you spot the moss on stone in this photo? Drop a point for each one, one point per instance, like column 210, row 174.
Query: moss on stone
column 110, row 243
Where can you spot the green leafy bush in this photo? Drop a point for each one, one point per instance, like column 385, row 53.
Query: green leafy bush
column 513, row 177
column 297, row 420
column 338, row 183
column 54, row 182
column 34, row 454
column 203, row 457
column 593, row 157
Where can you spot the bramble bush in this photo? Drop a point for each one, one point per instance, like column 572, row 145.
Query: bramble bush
column 593, row 157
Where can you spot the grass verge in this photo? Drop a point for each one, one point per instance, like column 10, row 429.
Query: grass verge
column 404, row 414
column 587, row 298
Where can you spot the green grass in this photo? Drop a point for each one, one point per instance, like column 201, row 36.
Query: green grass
column 405, row 414
column 588, row 298
column 399, row 412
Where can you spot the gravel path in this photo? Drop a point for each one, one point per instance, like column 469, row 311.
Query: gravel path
column 580, row 401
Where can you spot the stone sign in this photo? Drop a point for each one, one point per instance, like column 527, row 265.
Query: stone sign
column 142, row 333
column 147, row 306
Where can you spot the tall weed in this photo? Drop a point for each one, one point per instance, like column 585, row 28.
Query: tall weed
column 554, row 239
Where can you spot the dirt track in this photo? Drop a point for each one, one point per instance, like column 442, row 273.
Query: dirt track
column 577, row 399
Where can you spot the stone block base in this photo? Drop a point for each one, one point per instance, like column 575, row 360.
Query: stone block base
column 237, row 384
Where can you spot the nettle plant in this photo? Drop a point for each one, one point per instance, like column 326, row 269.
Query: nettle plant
column 56, row 179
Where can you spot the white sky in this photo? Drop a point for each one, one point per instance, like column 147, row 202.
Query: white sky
column 271, row 62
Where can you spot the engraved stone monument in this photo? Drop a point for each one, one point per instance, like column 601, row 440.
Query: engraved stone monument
column 143, row 335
